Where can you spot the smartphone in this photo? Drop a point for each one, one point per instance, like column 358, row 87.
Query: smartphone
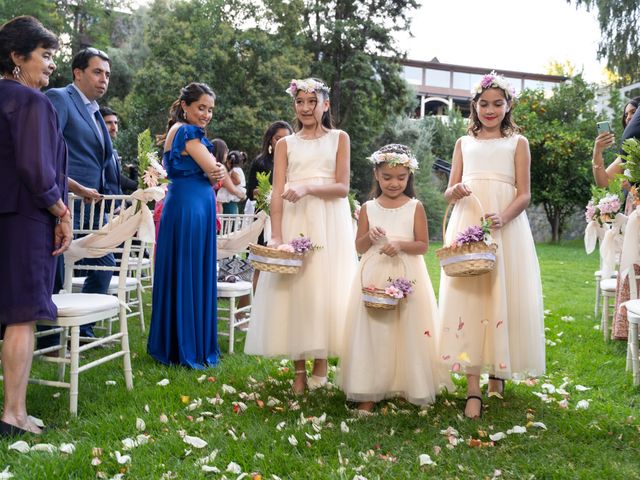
column 603, row 127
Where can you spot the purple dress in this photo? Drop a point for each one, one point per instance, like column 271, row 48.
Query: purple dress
column 33, row 164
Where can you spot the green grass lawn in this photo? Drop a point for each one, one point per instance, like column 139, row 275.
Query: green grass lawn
column 599, row 442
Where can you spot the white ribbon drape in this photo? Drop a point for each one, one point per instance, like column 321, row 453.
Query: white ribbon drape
column 136, row 218
column 592, row 234
column 611, row 244
column 631, row 245
column 239, row 240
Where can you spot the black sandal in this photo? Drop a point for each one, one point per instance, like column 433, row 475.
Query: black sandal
column 473, row 397
column 8, row 430
column 501, row 380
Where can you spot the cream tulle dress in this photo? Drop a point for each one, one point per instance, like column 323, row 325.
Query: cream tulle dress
column 389, row 353
column 301, row 316
column 494, row 322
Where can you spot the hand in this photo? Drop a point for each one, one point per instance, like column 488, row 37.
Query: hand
column 496, row 221
column 218, row 172
column 391, row 248
column 238, row 192
column 90, row 194
column 460, row 190
column 295, row 193
column 604, row 140
column 376, row 234
column 62, row 236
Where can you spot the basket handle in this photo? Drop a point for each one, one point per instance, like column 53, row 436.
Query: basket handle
column 446, row 213
column 404, row 267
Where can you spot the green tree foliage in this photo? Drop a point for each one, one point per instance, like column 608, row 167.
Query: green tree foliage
column 248, row 68
column 354, row 51
column 620, row 42
column 560, row 130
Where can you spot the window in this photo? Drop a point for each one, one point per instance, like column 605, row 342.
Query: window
column 462, row 80
column 533, row 84
column 413, row 75
column 438, row 78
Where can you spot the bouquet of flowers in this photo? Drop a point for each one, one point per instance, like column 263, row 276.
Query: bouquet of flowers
column 150, row 171
column 604, row 203
column 263, row 198
column 300, row 245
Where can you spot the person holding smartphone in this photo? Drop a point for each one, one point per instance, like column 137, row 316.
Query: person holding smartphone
column 601, row 174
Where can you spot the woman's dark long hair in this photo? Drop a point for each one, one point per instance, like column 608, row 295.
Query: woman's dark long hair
column 507, row 127
column 221, row 149
column 327, row 119
column 264, row 161
column 189, row 94
column 23, row 35
column 635, row 101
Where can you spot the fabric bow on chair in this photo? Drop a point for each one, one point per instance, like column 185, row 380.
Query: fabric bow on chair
column 611, row 244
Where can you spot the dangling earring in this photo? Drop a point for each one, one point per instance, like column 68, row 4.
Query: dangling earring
column 16, row 72
column 270, row 149
column 184, row 115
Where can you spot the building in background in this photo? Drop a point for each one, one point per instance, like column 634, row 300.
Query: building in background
column 441, row 86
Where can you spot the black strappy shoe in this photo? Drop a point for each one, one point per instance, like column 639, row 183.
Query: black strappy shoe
column 473, row 397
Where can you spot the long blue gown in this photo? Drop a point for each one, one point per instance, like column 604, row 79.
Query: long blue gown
column 183, row 321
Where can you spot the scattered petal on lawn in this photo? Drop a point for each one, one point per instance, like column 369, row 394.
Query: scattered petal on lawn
column 548, row 387
column 233, row 467
column 201, row 378
column 359, row 477
column 563, row 403
column 56, row 395
column 582, row 405
column 118, row 476
column 194, row 441
column 146, row 408
column 272, row 402
column 163, row 418
column 316, row 437
column 539, row 425
column 497, row 436
column 197, row 403
column 44, row 447
column 567, row 318
column 95, row 461
column 437, row 449
column 210, row 469
column 163, row 383
column 293, row 440
column 496, row 473
column 6, row 474
column 215, row 401
column 122, row 459
column 258, row 455
column 129, row 443
column 319, row 420
column 517, row 429
column 449, row 431
column 596, row 327
column 140, row 425
column 239, row 407
column 110, row 382
column 20, row 446
column 425, row 460
column 228, row 389
column 344, row 428
column 562, row 391
column 582, row 388
column 280, row 426
column 67, row 448
column 233, row 434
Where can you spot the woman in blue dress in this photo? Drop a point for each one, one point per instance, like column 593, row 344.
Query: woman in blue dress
column 183, row 321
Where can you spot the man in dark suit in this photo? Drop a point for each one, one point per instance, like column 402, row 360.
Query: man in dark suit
column 125, row 184
column 88, row 143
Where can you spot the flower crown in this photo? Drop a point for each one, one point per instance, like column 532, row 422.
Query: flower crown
column 395, row 155
column 493, row 80
column 308, row 85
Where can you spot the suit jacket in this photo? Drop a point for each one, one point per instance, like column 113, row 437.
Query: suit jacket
column 90, row 164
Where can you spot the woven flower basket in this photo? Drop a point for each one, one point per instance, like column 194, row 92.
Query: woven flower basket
column 272, row 260
column 376, row 298
column 468, row 260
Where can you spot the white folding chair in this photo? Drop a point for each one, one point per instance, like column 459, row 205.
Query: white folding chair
column 633, row 317
column 77, row 309
column 235, row 234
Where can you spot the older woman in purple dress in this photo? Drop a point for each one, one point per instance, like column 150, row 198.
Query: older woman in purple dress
column 34, row 220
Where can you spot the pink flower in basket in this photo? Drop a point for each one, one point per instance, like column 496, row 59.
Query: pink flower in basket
column 399, row 287
column 286, row 247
